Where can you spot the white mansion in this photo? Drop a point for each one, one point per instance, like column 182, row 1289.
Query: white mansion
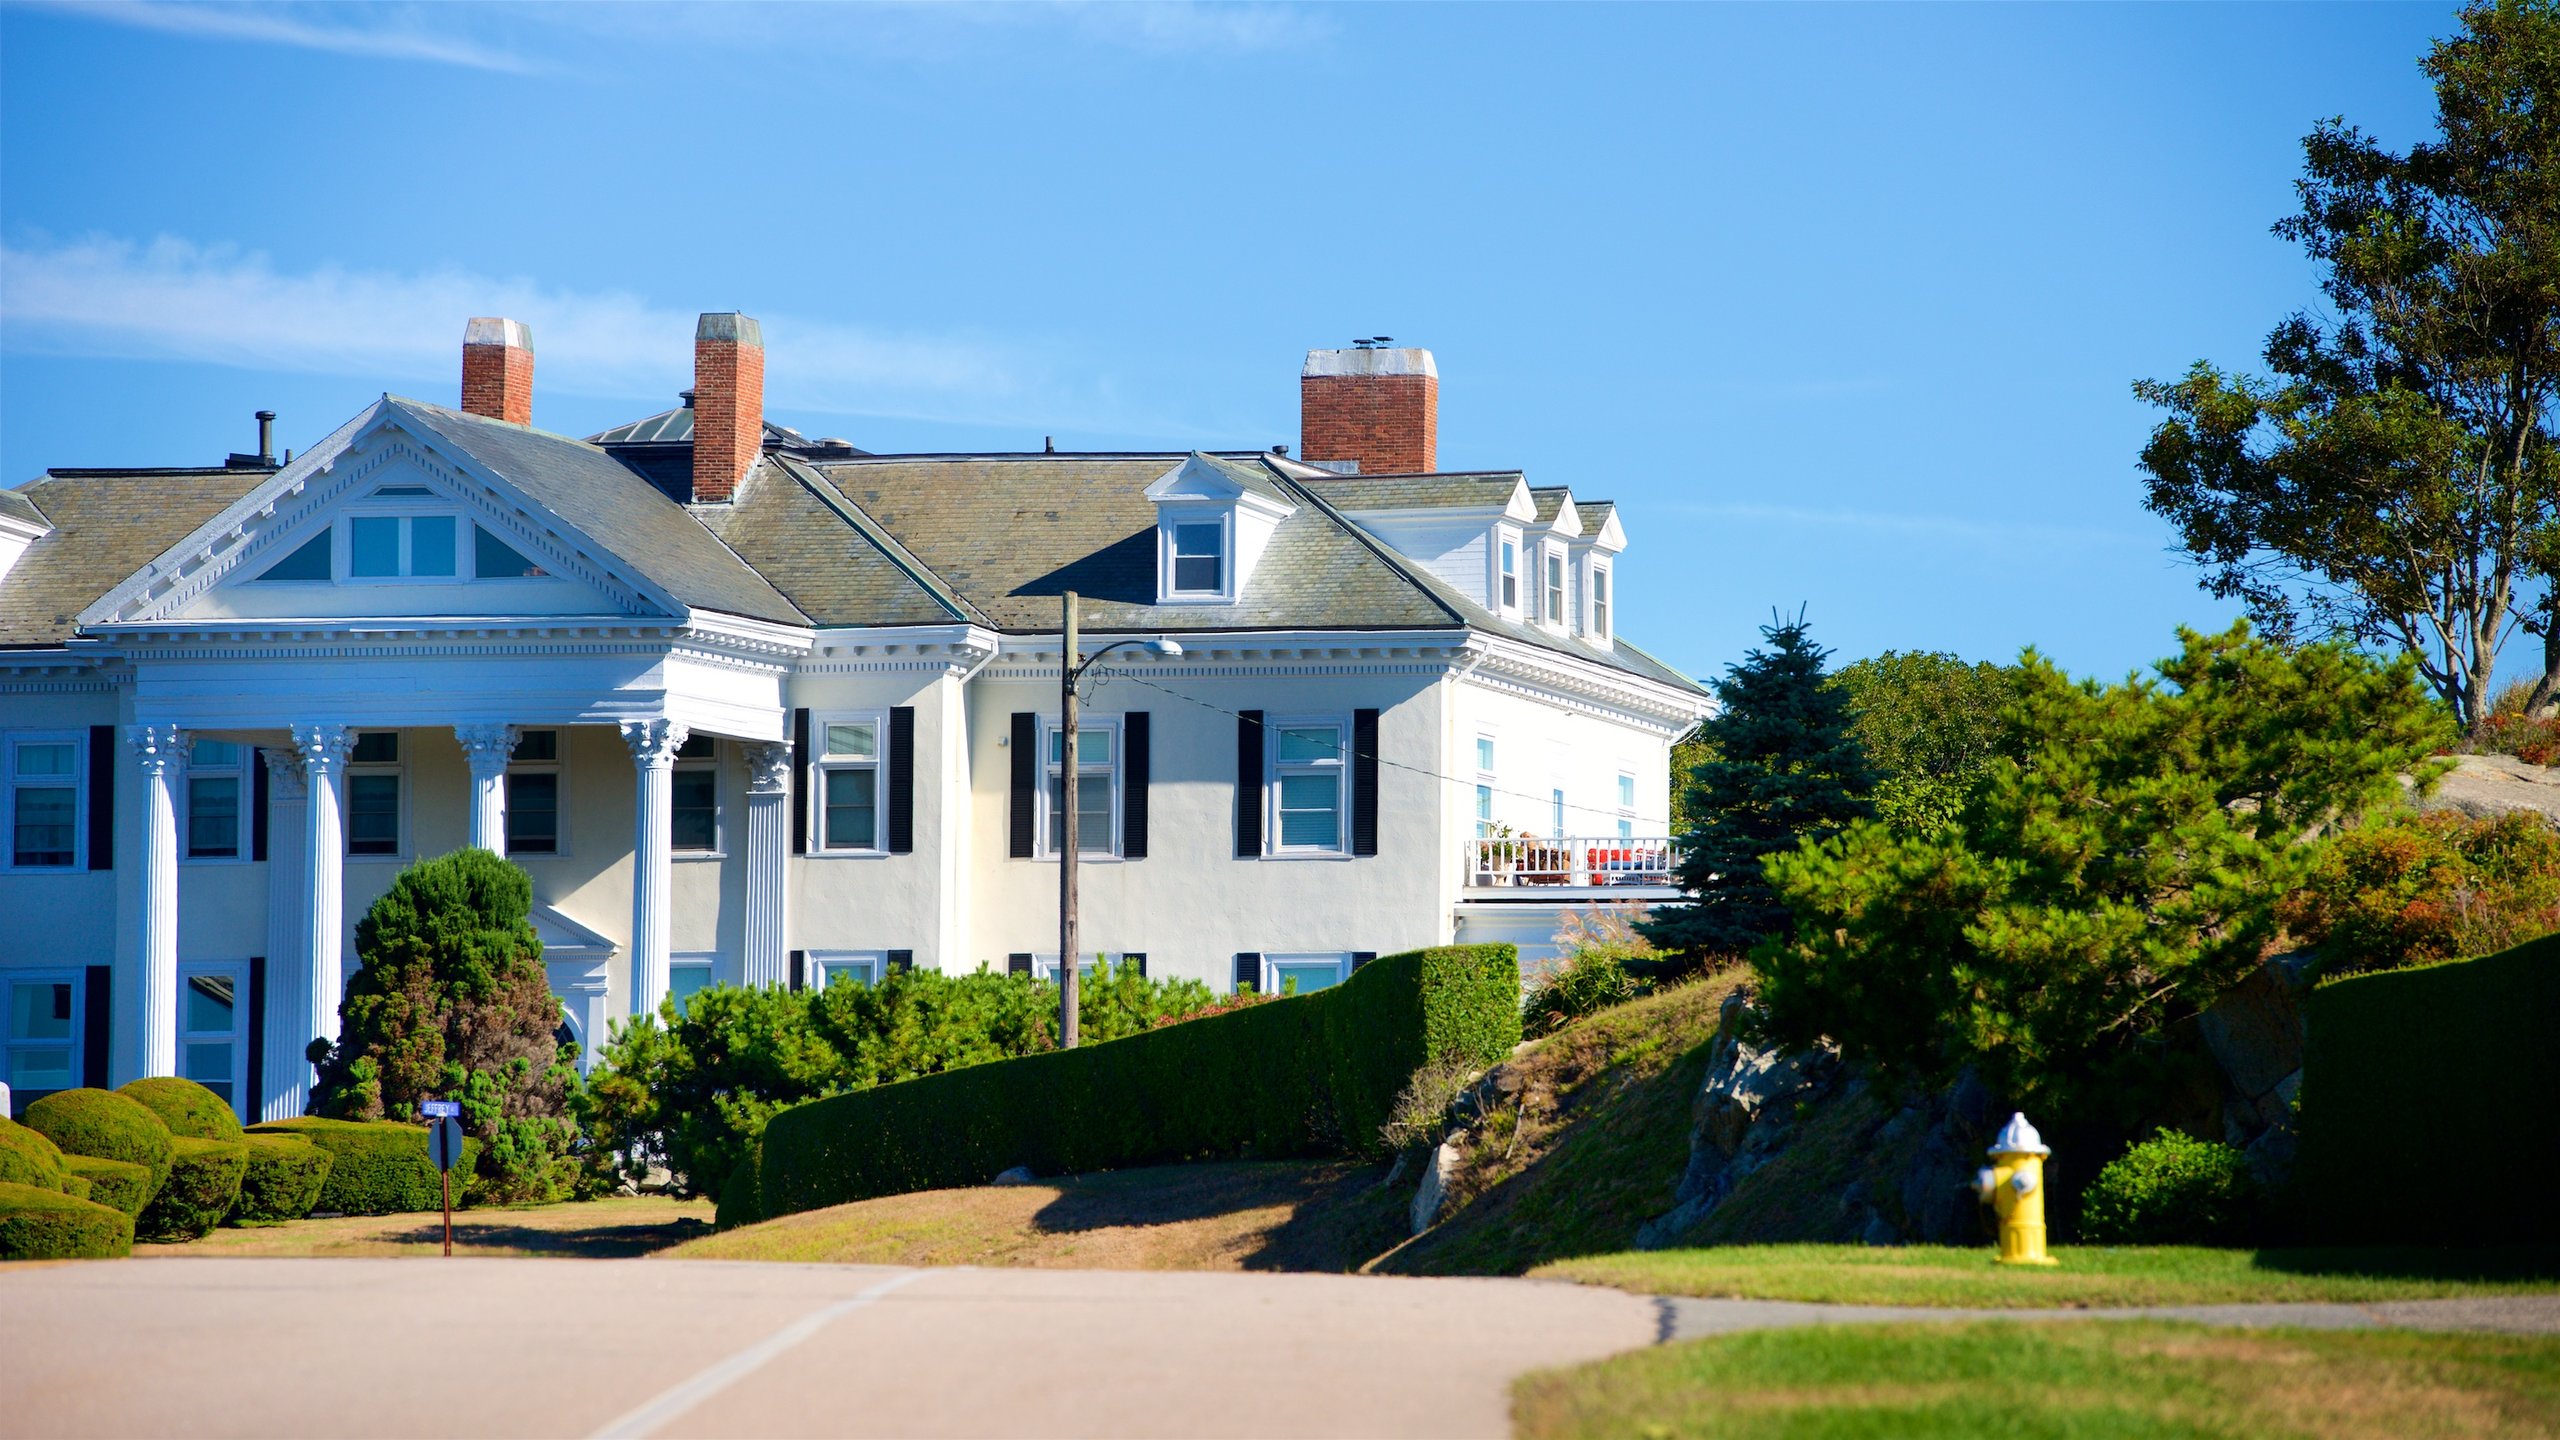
column 758, row 709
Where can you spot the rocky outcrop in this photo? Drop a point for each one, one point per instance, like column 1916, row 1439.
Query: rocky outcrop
column 2486, row 786
column 2255, row 1035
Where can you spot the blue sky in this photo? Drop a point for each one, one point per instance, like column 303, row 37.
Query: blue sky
column 1842, row 304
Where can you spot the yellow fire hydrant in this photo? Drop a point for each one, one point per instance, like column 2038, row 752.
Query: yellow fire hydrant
column 2014, row 1186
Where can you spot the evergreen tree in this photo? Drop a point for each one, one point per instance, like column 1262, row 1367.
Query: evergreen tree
column 1784, row 767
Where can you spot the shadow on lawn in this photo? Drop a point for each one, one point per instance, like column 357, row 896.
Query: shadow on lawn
column 594, row 1242
column 1337, row 1214
column 2416, row 1262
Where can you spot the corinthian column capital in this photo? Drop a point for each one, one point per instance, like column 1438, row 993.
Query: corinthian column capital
column 488, row 747
column 323, row 748
column 768, row 768
column 285, row 781
column 158, row 747
column 654, row 743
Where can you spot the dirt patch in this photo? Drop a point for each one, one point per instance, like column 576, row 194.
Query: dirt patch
column 594, row 1230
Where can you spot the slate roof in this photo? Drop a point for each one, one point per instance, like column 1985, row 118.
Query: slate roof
column 625, row 514
column 16, row 506
column 675, row 427
column 1595, row 515
column 789, row 523
column 1486, row 490
column 1550, row 499
column 106, row 525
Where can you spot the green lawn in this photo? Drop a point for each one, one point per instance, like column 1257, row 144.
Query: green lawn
column 2088, row 1275
column 2082, row 1381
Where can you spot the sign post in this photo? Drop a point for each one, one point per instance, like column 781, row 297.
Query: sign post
column 444, row 1150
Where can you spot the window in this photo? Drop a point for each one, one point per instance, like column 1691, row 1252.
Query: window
column 689, row 975
column 1555, row 589
column 40, row 1031
column 44, row 801
column 216, row 786
column 1556, row 824
column 1308, row 786
column 1600, row 602
column 848, row 783
column 402, row 547
column 373, row 794
column 533, row 794
column 309, row 562
column 846, row 967
column 1484, row 809
column 1045, row 967
column 211, row 1011
column 1199, row 558
column 1510, row 575
column 495, row 559
column 1097, row 786
column 697, row 797
column 1484, row 754
column 1626, row 805
column 1303, row 974
column 1484, row 785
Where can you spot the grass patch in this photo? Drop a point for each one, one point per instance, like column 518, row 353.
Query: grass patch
column 1588, row 1148
column 596, row 1230
column 1327, row 1216
column 2086, row 1382
column 2088, row 1275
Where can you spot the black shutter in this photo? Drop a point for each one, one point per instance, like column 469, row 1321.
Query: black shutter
column 1137, row 958
column 1026, row 780
column 1362, row 957
column 1136, row 766
column 102, row 797
column 257, row 1097
column 258, row 804
column 1364, row 782
column 1249, row 785
column 902, row 780
column 799, row 969
column 95, row 1027
column 799, row 802
column 1248, row 970
column 901, row 961
column 1017, row 964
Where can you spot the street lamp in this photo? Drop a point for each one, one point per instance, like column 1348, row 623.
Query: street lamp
column 1070, row 670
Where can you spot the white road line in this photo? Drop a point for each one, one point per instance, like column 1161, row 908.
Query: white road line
column 646, row 1420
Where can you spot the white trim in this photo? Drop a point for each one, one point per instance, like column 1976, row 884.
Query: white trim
column 1272, row 962
column 870, row 966
column 78, row 980
column 398, row 769
column 703, row 962
column 77, row 782
column 815, row 782
column 713, row 765
column 244, row 820
column 1172, row 520
column 1275, row 769
column 558, row 768
column 1043, row 846
column 237, row 1037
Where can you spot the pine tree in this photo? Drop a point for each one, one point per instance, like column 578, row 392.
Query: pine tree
column 1784, row 767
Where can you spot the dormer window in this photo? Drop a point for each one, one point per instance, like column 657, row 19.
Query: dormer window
column 1212, row 525
column 1599, row 602
column 1510, row 574
column 1199, row 558
column 1555, row 588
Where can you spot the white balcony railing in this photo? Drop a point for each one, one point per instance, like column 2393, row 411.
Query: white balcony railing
column 1569, row 860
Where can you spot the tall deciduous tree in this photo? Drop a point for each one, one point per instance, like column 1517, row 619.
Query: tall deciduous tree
column 1931, row 725
column 1783, row 767
column 2394, row 480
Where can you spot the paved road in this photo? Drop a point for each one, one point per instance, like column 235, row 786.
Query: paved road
column 490, row 1347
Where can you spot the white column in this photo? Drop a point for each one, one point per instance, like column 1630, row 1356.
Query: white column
column 767, row 962
column 488, row 748
column 159, row 751
column 324, row 750
column 284, row 1091
column 653, row 751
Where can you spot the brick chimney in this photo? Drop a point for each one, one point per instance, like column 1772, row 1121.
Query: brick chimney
column 497, row 369
column 728, row 404
column 1377, row 407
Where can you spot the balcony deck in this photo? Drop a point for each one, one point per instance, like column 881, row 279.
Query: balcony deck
column 1569, row 867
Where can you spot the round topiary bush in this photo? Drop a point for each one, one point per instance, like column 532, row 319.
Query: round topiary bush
column 28, row 1158
column 741, row 1200
column 2172, row 1189
column 376, row 1167
column 116, row 1184
column 186, row 1107
column 203, row 1185
column 107, row 1125
column 38, row 1224
column 284, row 1179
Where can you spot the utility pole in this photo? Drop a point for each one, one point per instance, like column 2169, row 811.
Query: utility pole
column 1070, row 671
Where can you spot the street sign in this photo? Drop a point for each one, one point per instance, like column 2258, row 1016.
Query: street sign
column 444, row 1143
column 440, row 1109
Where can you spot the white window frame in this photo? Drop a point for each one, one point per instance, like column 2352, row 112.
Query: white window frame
column 77, row 782
column 1339, row 767
column 1485, row 801
column 399, row 771
column 1555, row 816
column 864, row 967
column 78, row 980
column 1223, row 517
column 707, row 962
column 238, row 772
column 404, row 509
column 1271, row 963
column 719, row 799
column 237, row 1037
column 1506, row 572
column 1626, row 805
column 558, row 767
column 819, row 768
column 1596, row 610
column 1044, row 963
column 1552, row 587
column 1045, row 840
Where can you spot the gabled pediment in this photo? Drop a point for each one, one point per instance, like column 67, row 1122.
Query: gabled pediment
column 380, row 521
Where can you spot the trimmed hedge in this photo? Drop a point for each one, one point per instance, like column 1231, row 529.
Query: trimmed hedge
column 1309, row 1075
column 107, row 1125
column 742, row 1199
column 284, row 1179
column 40, row 1224
column 186, row 1107
column 203, row 1185
column 2427, row 1104
column 376, row 1167
column 116, row 1184
column 28, row 1158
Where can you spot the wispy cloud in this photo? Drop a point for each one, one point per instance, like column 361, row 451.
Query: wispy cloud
column 1939, row 527
column 382, row 31
column 171, row 299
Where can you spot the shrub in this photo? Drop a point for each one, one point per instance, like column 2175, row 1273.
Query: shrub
column 40, row 1224
column 116, row 1184
column 1594, row 980
column 2417, row 889
column 28, row 1158
column 187, row 1108
column 741, row 1199
column 2172, row 1189
column 376, row 1167
column 283, row 1181
column 107, row 1125
column 1310, row 1075
column 2426, row 1104
column 203, row 1185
